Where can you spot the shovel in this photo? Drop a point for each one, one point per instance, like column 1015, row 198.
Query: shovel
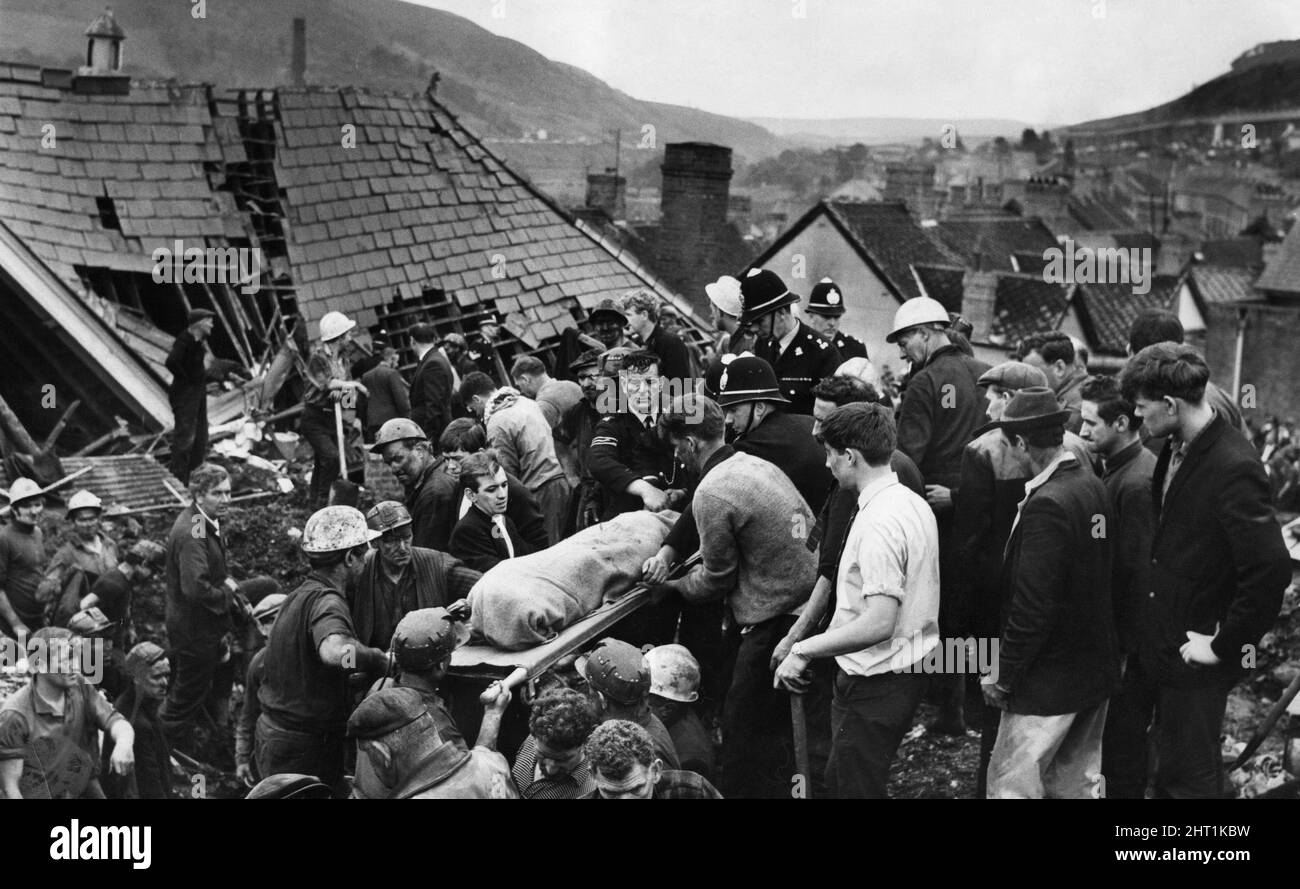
column 338, row 426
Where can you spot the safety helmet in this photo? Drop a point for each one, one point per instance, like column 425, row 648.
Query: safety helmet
column 24, row 489
column 915, row 311
column 335, row 529
column 617, row 670
column 725, row 294
column 387, row 515
column 425, row 637
column 674, row 673
column 333, row 325
column 397, row 429
column 83, row 499
column 90, row 622
column 268, row 607
column 290, row 786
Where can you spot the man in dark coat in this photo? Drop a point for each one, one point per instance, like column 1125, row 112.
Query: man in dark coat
column 801, row 357
column 941, row 410
column 642, row 310
column 148, row 669
column 1219, row 566
column 200, row 596
column 825, row 309
column 485, row 535
column 434, row 383
column 399, row 578
column 188, row 393
column 1058, row 658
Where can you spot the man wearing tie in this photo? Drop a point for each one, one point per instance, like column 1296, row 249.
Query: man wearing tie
column 485, row 535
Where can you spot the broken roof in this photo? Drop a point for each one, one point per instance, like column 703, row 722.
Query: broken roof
column 995, row 239
column 1108, row 310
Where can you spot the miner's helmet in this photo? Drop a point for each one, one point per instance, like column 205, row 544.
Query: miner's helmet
column 336, row 529
column 674, row 673
column 290, row 786
column 424, row 638
column 397, row 429
column 387, row 515
column 90, row 622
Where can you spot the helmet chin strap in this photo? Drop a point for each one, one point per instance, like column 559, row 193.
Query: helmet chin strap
column 749, row 424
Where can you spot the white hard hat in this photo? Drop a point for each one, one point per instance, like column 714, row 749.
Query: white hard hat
column 918, row 310
column 674, row 673
column 335, row 529
column 334, row 325
column 83, row 499
column 24, row 489
column 725, row 294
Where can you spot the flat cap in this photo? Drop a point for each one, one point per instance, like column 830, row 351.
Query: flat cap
column 1014, row 375
column 384, row 712
column 197, row 315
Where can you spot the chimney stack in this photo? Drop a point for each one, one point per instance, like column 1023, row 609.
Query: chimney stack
column 298, row 64
column 693, row 216
column 607, row 191
column 978, row 299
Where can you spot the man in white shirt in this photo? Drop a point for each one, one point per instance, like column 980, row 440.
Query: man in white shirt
column 886, row 606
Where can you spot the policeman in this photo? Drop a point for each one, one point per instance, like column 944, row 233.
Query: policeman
column 801, row 357
column 825, row 309
column 313, row 647
column 399, row 577
column 422, row 647
column 483, row 349
column 628, row 456
column 432, row 495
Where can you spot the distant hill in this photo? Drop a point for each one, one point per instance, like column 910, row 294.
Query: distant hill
column 885, row 130
column 500, row 87
column 1261, row 86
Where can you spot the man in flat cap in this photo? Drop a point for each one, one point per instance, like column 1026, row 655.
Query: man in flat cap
column 401, row 755
column 1058, row 658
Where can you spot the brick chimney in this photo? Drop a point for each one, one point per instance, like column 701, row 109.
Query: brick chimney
column 693, row 216
column 607, row 191
column 298, row 62
column 979, row 295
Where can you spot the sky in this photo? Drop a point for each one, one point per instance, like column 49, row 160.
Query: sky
column 1039, row 61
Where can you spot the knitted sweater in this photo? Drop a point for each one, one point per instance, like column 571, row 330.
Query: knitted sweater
column 753, row 525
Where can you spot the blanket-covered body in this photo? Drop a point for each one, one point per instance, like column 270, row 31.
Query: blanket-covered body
column 525, row 601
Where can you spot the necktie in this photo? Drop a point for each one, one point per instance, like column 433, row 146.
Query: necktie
column 500, row 522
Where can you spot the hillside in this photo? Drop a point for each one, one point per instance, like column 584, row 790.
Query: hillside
column 884, row 130
column 499, row 86
column 1262, row 87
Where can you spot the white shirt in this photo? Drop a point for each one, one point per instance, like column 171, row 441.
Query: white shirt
column 892, row 550
column 786, row 340
column 1065, row 458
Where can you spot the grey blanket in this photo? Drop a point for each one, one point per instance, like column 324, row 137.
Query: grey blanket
column 525, row 601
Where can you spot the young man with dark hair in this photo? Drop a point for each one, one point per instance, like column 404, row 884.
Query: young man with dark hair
column 463, row 438
column 434, row 382
column 305, row 695
column 1219, row 566
column 551, row 763
column 485, row 534
column 554, row 397
column 1052, row 352
column 1110, row 427
column 624, row 766
column 1058, row 659
column 521, row 436
column 886, row 615
column 1161, row 326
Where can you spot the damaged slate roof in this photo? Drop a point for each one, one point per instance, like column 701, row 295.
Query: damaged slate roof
column 1223, row 284
column 362, row 197
column 995, row 240
column 1108, row 310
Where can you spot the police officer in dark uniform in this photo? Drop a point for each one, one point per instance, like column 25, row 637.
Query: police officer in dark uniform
column 629, row 457
column 483, row 350
column 825, row 309
column 801, row 357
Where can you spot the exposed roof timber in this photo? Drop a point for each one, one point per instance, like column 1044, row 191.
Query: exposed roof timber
column 85, row 332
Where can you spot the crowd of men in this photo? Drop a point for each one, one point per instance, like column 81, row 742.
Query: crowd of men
column 1112, row 537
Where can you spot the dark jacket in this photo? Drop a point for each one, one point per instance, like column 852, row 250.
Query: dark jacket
column 674, row 359
column 198, row 603
column 810, row 359
column 942, row 408
column 624, row 450
column 1217, row 558
column 432, row 390
column 433, row 501
column 185, row 362
column 993, row 477
column 152, row 776
column 783, row 439
column 431, row 579
column 388, row 396
column 1058, row 651
column 850, row 347
column 1128, row 483
column 477, row 543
